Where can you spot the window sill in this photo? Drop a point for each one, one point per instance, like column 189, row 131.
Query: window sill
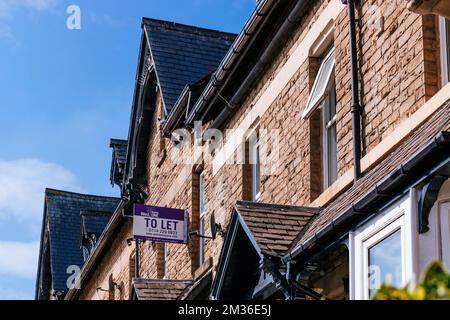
column 333, row 191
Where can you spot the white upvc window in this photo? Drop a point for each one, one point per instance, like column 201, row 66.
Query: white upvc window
column 255, row 157
column 382, row 251
column 322, row 84
column 329, row 137
column 444, row 35
column 202, row 211
column 323, row 97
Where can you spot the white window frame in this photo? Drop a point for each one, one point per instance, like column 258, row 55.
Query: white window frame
column 326, row 157
column 399, row 216
column 444, row 224
column 166, row 258
column 435, row 243
column 316, row 97
column 256, row 168
column 202, row 213
column 444, row 36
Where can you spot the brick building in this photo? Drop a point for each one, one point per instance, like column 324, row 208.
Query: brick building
column 316, row 142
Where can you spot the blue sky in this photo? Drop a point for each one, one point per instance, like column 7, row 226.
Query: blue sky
column 63, row 94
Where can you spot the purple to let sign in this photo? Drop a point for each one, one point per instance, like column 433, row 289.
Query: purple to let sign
column 159, row 224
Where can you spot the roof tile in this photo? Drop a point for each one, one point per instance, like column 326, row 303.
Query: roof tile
column 275, row 227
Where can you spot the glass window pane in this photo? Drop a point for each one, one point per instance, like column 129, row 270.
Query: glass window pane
column 444, row 35
column 256, row 172
column 385, row 262
column 447, row 27
column 202, row 241
column 321, row 84
column 202, row 194
column 201, row 207
column 332, row 100
column 332, row 154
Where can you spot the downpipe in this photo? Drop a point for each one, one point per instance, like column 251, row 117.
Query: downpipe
column 356, row 105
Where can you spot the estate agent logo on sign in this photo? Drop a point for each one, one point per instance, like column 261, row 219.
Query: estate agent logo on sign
column 159, row 224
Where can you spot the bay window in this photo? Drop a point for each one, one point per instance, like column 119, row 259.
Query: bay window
column 381, row 251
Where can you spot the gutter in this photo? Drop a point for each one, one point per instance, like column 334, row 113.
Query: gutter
column 266, row 58
column 425, row 163
column 232, row 59
column 102, row 243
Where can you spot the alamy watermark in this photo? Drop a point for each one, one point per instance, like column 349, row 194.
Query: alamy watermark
column 231, row 147
column 73, row 281
column 73, row 21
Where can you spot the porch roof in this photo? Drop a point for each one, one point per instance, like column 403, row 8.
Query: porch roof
column 274, row 227
column 156, row 289
column 256, row 230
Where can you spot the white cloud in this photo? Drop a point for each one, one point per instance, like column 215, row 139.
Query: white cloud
column 22, row 186
column 19, row 259
column 7, row 7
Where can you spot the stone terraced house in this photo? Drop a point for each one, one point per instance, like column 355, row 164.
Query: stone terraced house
column 311, row 152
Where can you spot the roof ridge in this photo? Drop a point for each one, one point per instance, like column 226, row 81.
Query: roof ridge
column 64, row 192
column 176, row 26
column 274, row 205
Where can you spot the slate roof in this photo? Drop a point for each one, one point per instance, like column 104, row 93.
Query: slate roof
column 118, row 160
column 63, row 213
column 275, row 227
column 149, row 289
column 94, row 222
column 183, row 54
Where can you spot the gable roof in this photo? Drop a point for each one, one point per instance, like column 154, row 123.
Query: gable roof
column 62, row 215
column 274, row 227
column 150, row 289
column 183, row 54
